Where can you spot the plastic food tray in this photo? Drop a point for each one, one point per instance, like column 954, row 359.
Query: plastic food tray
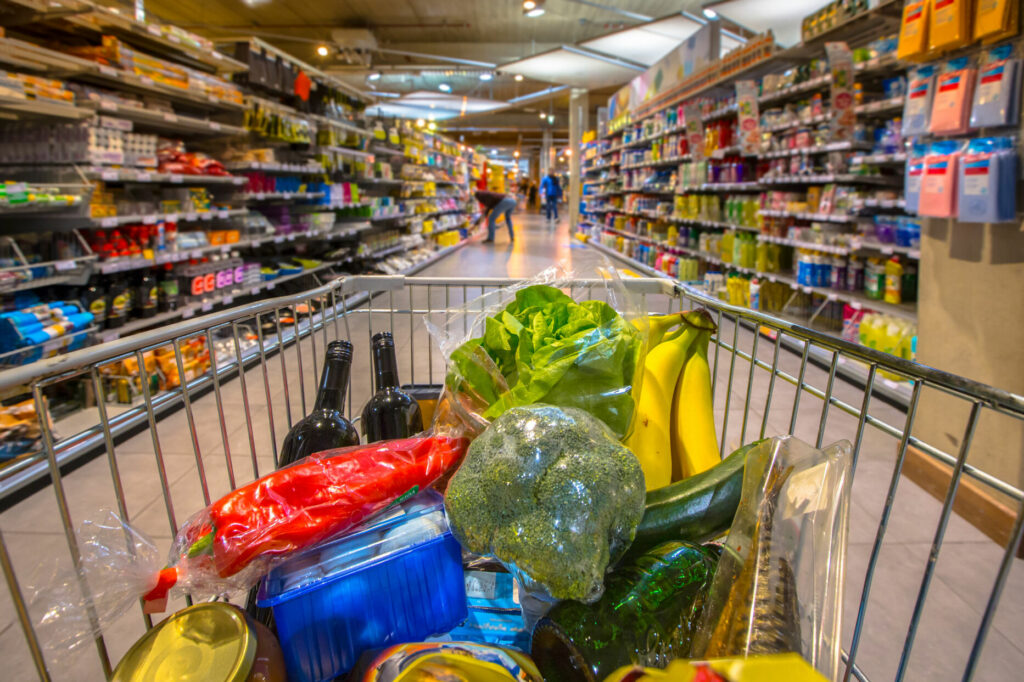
column 398, row 579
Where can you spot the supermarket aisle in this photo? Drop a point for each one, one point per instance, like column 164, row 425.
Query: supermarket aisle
column 256, row 416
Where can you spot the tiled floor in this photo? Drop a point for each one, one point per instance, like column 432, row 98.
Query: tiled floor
column 236, row 450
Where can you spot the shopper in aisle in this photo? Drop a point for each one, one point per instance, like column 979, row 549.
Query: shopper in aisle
column 532, row 202
column 495, row 204
column 552, row 191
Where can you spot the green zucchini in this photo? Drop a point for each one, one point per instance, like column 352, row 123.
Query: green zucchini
column 696, row 509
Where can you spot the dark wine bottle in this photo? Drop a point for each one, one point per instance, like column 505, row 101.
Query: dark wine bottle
column 325, row 428
column 391, row 412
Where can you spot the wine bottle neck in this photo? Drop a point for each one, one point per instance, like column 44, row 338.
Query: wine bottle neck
column 385, row 366
column 333, row 384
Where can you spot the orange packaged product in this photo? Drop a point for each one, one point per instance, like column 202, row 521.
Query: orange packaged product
column 913, row 42
column 217, row 237
column 949, row 26
column 995, row 20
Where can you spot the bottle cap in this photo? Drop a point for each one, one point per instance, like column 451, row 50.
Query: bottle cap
column 339, row 350
column 383, row 339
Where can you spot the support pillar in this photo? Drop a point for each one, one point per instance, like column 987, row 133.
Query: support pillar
column 579, row 108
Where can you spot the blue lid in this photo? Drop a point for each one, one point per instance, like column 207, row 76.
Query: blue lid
column 394, row 531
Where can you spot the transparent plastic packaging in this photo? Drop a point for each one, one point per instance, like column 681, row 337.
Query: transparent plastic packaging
column 553, row 495
column 544, row 341
column 226, row 547
column 778, row 586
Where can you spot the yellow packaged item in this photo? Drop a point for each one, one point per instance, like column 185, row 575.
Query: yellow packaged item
column 788, row 667
column 914, row 30
column 949, row 26
column 995, row 20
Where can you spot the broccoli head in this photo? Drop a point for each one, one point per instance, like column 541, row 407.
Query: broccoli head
column 551, row 493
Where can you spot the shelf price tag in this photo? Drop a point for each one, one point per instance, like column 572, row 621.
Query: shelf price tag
column 207, row 306
column 170, row 118
column 108, row 105
column 108, row 222
column 64, row 265
column 149, row 220
column 110, row 176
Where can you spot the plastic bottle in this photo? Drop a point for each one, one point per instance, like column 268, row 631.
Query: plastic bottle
column 855, row 275
column 755, row 294
column 893, row 280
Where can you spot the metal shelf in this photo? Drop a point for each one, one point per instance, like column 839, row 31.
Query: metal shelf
column 148, row 176
column 183, row 217
column 23, row 108
column 163, row 121
column 280, row 196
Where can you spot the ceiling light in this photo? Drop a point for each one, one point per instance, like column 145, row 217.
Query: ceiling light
column 420, row 123
column 444, row 87
column 543, row 115
column 535, row 12
column 516, row 153
column 551, row 118
column 375, row 76
column 322, row 50
column 494, row 152
column 529, row 4
column 710, row 13
column 568, row 152
column 432, row 126
column 519, row 76
column 486, row 76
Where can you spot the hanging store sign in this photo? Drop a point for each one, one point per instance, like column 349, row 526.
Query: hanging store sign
column 844, row 117
column 748, row 117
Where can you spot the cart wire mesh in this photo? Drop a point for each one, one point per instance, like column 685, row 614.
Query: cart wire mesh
column 258, row 365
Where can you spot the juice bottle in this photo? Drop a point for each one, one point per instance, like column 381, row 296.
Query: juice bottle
column 893, row 280
column 755, row 294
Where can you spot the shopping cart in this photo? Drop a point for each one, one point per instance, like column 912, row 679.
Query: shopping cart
column 769, row 375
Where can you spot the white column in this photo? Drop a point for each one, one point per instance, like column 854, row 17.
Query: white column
column 545, row 152
column 579, row 108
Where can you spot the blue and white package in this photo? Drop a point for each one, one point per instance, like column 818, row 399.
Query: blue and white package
column 987, row 181
column 917, row 109
column 495, row 613
column 914, row 173
column 997, row 93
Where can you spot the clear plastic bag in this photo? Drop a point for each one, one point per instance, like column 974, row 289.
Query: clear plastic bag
column 778, row 586
column 536, row 343
column 553, row 495
column 226, row 547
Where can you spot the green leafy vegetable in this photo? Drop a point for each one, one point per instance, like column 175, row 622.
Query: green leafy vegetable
column 545, row 347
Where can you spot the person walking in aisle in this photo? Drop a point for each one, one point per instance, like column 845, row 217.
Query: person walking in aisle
column 533, row 194
column 495, row 204
column 552, row 192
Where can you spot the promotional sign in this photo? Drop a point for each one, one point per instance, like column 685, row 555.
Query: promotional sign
column 748, row 117
column 694, row 131
column 844, row 118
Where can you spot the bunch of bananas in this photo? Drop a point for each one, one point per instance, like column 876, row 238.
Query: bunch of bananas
column 674, row 432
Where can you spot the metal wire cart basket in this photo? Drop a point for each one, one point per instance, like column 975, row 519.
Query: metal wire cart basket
column 182, row 414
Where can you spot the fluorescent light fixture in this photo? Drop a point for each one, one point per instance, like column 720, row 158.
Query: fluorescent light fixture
column 322, row 50
column 519, row 77
column 783, row 18
column 444, row 87
column 535, row 12
column 647, row 43
column 710, row 13
column 486, row 76
column 375, row 76
column 540, row 94
column 568, row 65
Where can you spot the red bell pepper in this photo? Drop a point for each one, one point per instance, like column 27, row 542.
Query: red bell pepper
column 309, row 502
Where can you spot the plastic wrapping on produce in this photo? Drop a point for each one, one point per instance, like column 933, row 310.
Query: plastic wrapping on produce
column 778, row 586
column 544, row 341
column 226, row 547
column 553, row 495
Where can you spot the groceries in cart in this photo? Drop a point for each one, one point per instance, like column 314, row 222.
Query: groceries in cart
column 563, row 513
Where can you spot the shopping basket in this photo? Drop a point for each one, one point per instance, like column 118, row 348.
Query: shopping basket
column 230, row 384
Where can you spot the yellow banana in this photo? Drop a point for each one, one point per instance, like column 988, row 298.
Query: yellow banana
column 694, row 441
column 651, row 440
column 657, row 326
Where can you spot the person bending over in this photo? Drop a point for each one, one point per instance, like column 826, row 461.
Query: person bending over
column 495, row 204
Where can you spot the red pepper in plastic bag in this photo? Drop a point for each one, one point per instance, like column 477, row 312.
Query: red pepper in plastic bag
column 304, row 504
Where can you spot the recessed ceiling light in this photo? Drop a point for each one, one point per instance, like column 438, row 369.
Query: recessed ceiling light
column 444, row 87
column 375, row 76
column 535, row 12
column 710, row 13
column 519, row 76
column 432, row 126
column 486, row 76
column 543, row 115
column 420, row 123
column 322, row 50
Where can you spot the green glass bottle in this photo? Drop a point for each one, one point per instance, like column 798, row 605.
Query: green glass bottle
column 647, row 615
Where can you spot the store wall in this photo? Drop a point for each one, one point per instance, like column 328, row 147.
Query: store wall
column 971, row 323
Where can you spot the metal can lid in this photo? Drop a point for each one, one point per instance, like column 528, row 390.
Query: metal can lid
column 209, row 642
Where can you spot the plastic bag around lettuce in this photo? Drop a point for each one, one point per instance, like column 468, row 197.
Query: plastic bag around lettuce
column 549, row 340
column 226, row 547
column 552, row 494
column 778, row 586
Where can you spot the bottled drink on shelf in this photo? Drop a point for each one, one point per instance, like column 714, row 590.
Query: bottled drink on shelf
column 391, row 412
column 326, row 427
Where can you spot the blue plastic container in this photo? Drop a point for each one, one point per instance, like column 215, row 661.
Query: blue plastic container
column 398, row 579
